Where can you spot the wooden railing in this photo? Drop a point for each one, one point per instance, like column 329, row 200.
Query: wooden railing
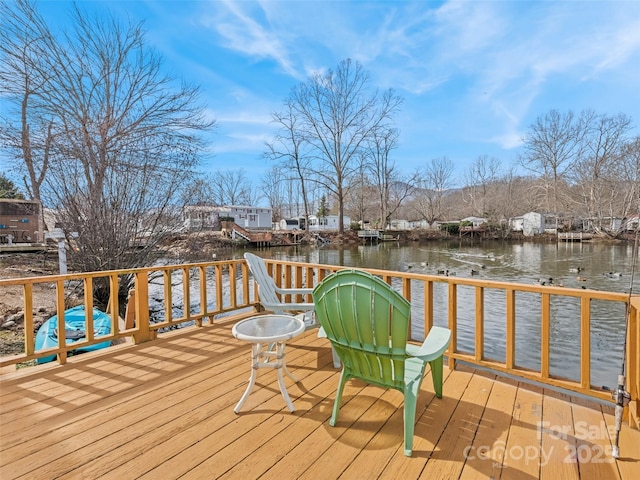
column 167, row 297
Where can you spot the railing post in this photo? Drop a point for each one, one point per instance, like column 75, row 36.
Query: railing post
column 143, row 333
column 633, row 362
column 29, row 337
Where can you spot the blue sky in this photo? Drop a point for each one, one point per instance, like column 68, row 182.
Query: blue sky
column 474, row 75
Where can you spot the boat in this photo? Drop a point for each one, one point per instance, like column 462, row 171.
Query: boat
column 75, row 331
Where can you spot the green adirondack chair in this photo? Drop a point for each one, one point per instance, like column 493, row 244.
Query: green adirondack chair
column 367, row 323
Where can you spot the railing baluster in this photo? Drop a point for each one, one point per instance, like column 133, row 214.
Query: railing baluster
column 60, row 301
column 479, row 337
column 510, row 360
column 585, row 342
column 545, row 334
column 219, row 293
column 114, row 306
column 186, row 293
column 233, row 297
column 428, row 306
column 167, row 276
column 453, row 322
column 88, row 308
column 202, row 282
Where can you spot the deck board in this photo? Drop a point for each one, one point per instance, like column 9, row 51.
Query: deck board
column 164, row 409
column 485, row 454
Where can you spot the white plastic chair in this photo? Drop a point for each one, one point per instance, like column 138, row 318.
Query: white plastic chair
column 270, row 296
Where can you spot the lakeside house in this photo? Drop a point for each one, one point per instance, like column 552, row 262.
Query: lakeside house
column 535, row 223
column 328, row 223
column 413, row 224
column 399, row 225
column 203, row 217
column 316, row 224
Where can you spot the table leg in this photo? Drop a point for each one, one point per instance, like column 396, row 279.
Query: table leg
column 255, row 357
column 283, row 361
column 281, row 365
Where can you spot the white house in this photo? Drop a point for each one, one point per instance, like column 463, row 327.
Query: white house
column 330, row 222
column 418, row 224
column 534, row 223
column 251, row 217
column 206, row 216
column 399, row 225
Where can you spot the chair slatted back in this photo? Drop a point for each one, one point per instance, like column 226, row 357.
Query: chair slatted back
column 367, row 323
column 266, row 285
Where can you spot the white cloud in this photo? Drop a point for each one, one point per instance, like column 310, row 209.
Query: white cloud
column 245, row 34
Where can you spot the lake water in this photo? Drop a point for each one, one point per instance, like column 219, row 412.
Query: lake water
column 601, row 267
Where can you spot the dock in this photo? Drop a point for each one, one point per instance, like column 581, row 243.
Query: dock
column 574, row 236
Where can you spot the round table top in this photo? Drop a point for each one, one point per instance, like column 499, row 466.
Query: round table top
column 268, row 328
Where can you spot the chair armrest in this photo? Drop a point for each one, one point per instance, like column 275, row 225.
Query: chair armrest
column 281, row 307
column 434, row 345
column 294, row 291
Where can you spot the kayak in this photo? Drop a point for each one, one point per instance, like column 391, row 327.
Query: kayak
column 75, row 331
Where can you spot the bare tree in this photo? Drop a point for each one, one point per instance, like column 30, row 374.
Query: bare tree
column 358, row 204
column 119, row 139
column 26, row 131
column 22, row 38
column 599, row 171
column 273, row 187
column 337, row 113
column 287, row 148
column 553, row 145
column 393, row 187
column 436, row 180
column 630, row 174
column 481, row 174
column 231, row 187
column 512, row 197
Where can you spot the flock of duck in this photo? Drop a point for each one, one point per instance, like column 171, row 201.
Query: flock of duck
column 542, row 281
column 549, row 281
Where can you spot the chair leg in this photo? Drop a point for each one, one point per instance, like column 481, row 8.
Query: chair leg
column 436, row 375
column 410, row 401
column 336, row 403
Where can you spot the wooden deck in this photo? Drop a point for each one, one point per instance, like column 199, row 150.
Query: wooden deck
column 164, row 409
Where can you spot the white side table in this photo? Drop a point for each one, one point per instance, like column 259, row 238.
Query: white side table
column 268, row 334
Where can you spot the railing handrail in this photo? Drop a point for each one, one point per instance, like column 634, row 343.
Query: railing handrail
column 228, row 290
